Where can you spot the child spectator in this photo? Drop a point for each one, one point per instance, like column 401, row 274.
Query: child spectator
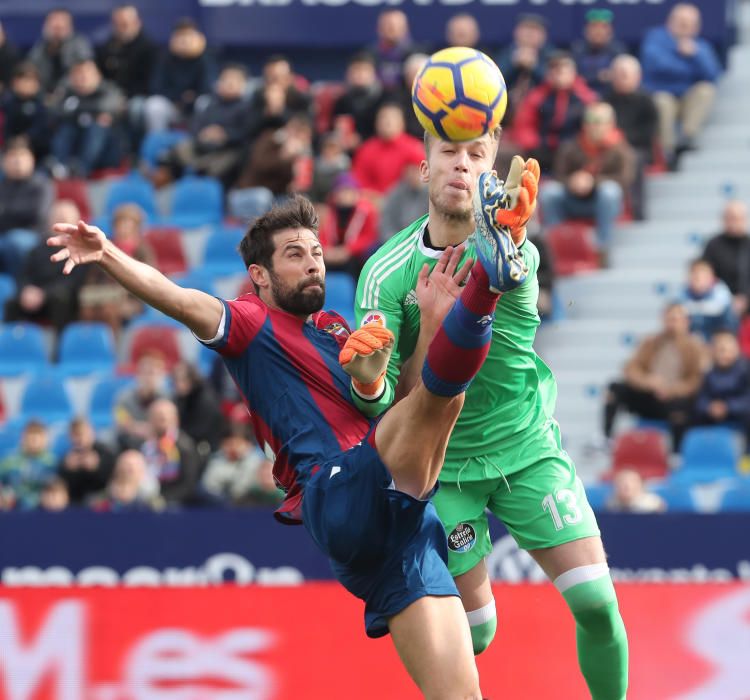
column 24, row 473
column 708, row 301
column 54, row 495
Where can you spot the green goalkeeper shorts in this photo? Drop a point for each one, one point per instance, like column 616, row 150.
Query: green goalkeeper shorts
column 542, row 505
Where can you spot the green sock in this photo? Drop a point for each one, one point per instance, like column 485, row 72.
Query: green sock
column 600, row 632
column 482, row 623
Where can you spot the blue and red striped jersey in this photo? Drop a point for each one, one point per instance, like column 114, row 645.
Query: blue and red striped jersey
column 288, row 373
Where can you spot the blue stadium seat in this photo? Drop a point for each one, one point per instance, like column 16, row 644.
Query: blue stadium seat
column 196, row 279
column 103, row 398
column 196, row 201
column 60, row 444
column 7, row 290
column 708, row 454
column 22, row 349
column 220, row 256
column 152, row 317
column 340, row 294
column 678, row 497
column 46, row 399
column 131, row 189
column 737, row 498
column 10, row 437
column 597, row 495
column 86, row 348
column 157, row 142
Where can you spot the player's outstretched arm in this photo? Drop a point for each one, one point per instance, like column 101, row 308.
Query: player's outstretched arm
column 84, row 244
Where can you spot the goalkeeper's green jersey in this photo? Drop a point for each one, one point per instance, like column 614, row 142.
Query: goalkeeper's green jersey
column 511, row 400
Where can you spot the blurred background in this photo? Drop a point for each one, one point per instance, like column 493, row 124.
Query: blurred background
column 138, row 555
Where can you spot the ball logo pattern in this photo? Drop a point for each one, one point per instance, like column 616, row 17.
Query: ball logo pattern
column 459, row 95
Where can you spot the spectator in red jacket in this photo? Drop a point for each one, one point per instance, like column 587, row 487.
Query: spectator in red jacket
column 379, row 162
column 552, row 112
column 348, row 227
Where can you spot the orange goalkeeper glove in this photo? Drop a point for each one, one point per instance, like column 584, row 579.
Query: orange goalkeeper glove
column 365, row 356
column 522, row 184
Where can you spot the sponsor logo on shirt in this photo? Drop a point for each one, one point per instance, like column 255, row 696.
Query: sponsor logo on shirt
column 411, row 298
column 374, row 315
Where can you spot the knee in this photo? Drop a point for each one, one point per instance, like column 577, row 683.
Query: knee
column 610, row 192
column 483, row 625
column 552, row 193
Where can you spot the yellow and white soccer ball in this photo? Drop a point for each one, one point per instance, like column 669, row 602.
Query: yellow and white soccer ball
column 459, row 95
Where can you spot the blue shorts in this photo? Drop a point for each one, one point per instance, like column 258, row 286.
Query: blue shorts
column 385, row 547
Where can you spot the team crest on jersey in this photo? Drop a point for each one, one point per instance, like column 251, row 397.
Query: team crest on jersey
column 462, row 538
column 336, row 328
column 372, row 316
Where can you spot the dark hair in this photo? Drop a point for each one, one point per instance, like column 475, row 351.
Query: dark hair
column 239, row 67
column 362, row 57
column 26, row 69
column 185, row 23
column 698, row 262
column 257, row 247
column 34, row 426
column 276, row 58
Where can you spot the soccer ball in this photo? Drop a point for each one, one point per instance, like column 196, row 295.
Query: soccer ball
column 459, row 95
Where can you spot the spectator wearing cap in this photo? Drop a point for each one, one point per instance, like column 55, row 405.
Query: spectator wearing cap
column 523, row 62
column 355, row 110
column 681, row 70
column 553, row 111
column 592, row 173
column 25, row 111
column 636, row 115
column 392, row 47
column 58, row 49
column 348, row 227
column 87, row 114
column 594, row 53
column 405, row 202
column 380, row 161
column 183, row 72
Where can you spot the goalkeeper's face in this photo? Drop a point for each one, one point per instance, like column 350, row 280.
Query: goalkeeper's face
column 452, row 170
column 296, row 279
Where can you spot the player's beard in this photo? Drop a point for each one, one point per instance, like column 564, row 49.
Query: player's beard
column 299, row 299
column 456, row 213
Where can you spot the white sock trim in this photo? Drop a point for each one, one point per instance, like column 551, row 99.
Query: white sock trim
column 581, row 574
column 484, row 614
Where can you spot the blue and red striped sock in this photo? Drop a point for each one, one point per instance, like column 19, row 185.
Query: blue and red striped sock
column 460, row 346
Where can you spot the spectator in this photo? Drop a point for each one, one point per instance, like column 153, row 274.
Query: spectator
column 54, row 496
column 8, row 59
column 279, row 96
column 198, row 408
column 45, row 295
column 680, row 69
column 127, row 57
column 545, row 275
column 393, row 46
column 595, row 52
column 59, row 49
column 463, row 30
column 25, row 198
column 523, row 62
column 170, row 454
column 552, row 112
column 131, row 487
column 405, row 202
column 131, row 407
column 662, row 378
column 24, row 472
column 328, row 165
column 25, row 111
column 355, row 110
column 87, row 465
column 402, row 93
column 630, row 495
column 708, row 301
column 183, row 72
column 348, row 227
column 236, row 474
column 593, row 171
column 100, row 297
column 380, row 161
column 724, row 397
column 728, row 253
column 218, row 131
column 636, row 115
column 269, row 172
column 86, row 136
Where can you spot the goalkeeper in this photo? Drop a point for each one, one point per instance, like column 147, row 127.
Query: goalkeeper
column 505, row 452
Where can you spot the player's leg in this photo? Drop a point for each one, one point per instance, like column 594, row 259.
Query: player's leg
column 431, row 637
column 479, row 604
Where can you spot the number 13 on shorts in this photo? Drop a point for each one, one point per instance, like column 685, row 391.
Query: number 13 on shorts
column 562, row 507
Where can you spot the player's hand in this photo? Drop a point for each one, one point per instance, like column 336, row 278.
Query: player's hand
column 366, row 352
column 80, row 243
column 438, row 290
column 522, row 184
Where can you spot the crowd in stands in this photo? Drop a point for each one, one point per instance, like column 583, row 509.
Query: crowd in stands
column 598, row 115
